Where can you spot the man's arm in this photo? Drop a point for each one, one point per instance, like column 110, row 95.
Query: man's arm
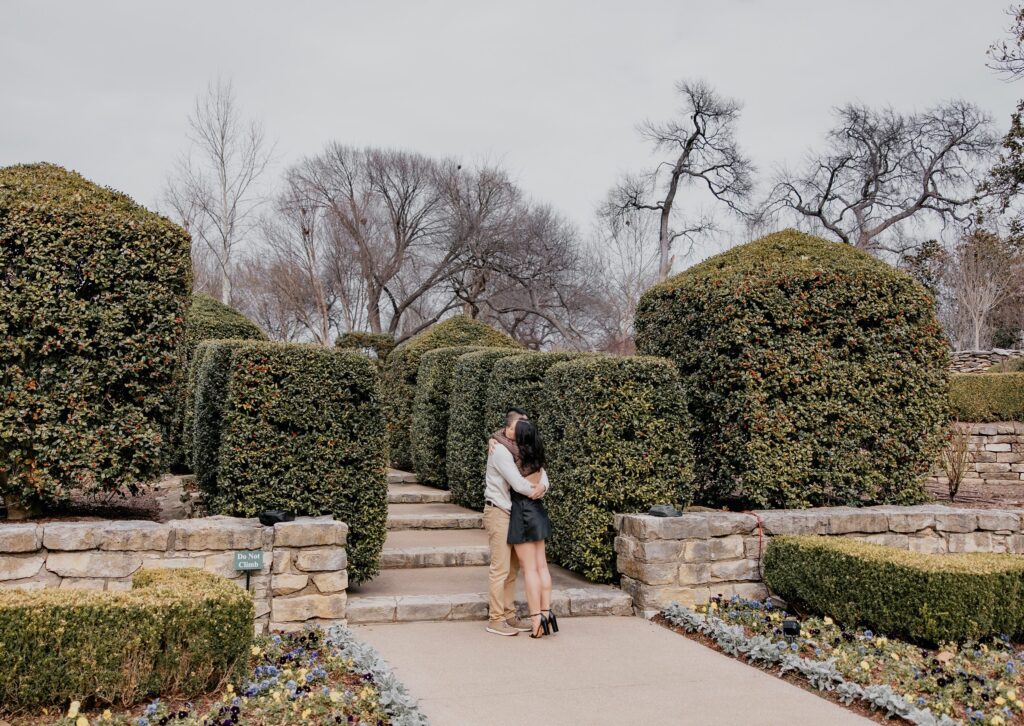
column 507, row 468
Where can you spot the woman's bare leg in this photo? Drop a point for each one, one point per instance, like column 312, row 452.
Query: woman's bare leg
column 544, row 576
column 528, row 559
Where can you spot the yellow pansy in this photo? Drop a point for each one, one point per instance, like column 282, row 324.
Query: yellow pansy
column 305, row 714
column 230, row 688
column 81, row 721
column 997, row 721
column 895, row 656
column 107, row 715
column 73, row 709
column 1000, row 700
column 256, row 650
column 334, row 696
column 827, row 621
column 864, row 665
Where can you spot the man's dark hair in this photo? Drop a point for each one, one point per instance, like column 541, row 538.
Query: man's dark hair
column 513, row 414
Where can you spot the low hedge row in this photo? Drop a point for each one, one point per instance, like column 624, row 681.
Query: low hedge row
column 402, row 368
column 467, row 425
column 986, row 397
column 177, row 632
column 302, row 429
column 923, row 597
column 617, row 441
column 518, row 382
column 429, row 430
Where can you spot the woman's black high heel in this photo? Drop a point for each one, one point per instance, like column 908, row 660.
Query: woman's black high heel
column 543, row 626
column 552, row 620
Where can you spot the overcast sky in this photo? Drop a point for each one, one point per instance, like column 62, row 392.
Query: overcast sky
column 552, row 90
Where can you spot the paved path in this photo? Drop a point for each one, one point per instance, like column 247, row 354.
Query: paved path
column 596, row 672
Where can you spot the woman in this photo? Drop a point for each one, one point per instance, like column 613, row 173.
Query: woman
column 528, row 527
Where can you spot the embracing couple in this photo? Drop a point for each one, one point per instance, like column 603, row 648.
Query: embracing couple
column 517, row 526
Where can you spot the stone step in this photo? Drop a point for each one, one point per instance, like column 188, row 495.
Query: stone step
column 417, row 494
column 460, row 593
column 409, row 548
column 433, row 516
column 396, row 476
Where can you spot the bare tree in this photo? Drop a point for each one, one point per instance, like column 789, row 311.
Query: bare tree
column 985, row 271
column 881, row 168
column 1007, row 56
column 212, row 189
column 701, row 150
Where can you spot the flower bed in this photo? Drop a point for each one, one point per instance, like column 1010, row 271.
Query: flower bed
column 301, row 678
column 975, row 682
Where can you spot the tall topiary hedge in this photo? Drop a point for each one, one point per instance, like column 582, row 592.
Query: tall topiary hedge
column 815, row 374
column 923, row 597
column 378, row 345
column 430, row 413
column 303, row 430
column 207, row 319
column 212, row 361
column 402, row 367
column 518, row 382
column 466, row 458
column 177, row 632
column 93, row 293
column 617, row 441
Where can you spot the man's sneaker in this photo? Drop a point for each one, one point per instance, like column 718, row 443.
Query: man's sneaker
column 500, row 627
column 523, row 626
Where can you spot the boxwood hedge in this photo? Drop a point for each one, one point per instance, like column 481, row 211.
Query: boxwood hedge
column 430, row 413
column 518, row 382
column 93, row 293
column 987, row 397
column 815, row 374
column 376, row 345
column 303, row 430
column 923, row 597
column 617, row 441
column 207, row 319
column 402, row 367
column 176, row 633
column 467, row 426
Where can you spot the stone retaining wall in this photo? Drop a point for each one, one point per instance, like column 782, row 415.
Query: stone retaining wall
column 304, row 578
column 978, row 361
column 995, row 455
column 693, row 557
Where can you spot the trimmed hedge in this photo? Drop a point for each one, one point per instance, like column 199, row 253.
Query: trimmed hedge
column 518, row 382
column 303, row 430
column 434, row 385
column 923, row 597
column 212, row 361
column 379, row 344
column 176, row 633
column 814, row 373
column 467, row 426
column 987, row 397
column 402, row 367
column 207, row 319
column 93, row 296
column 617, row 441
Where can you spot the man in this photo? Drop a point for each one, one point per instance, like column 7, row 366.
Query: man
column 502, row 475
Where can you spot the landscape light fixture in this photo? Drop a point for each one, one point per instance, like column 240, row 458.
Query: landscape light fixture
column 790, row 628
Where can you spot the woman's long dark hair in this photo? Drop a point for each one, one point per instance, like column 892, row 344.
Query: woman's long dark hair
column 531, row 445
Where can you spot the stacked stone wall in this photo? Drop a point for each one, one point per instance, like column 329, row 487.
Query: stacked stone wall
column 995, row 453
column 303, row 581
column 698, row 555
column 979, row 361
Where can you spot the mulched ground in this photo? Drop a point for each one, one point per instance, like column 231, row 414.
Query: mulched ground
column 982, row 496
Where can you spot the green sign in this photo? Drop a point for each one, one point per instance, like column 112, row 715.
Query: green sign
column 249, row 560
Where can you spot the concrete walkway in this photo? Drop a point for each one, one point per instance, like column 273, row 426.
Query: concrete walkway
column 596, row 672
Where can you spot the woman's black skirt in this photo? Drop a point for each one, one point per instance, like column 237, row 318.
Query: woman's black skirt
column 529, row 520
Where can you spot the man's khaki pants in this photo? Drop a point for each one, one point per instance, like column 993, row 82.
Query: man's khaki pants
column 504, row 565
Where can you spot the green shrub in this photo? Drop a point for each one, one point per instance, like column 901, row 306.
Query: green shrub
column 1009, row 365
column 403, row 364
column 207, row 319
column 467, row 430
column 986, row 397
column 177, row 632
column 616, row 436
column 518, row 382
column 814, row 373
column 93, row 293
column 377, row 345
column 303, row 430
column 430, row 413
column 923, row 597
column 212, row 361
